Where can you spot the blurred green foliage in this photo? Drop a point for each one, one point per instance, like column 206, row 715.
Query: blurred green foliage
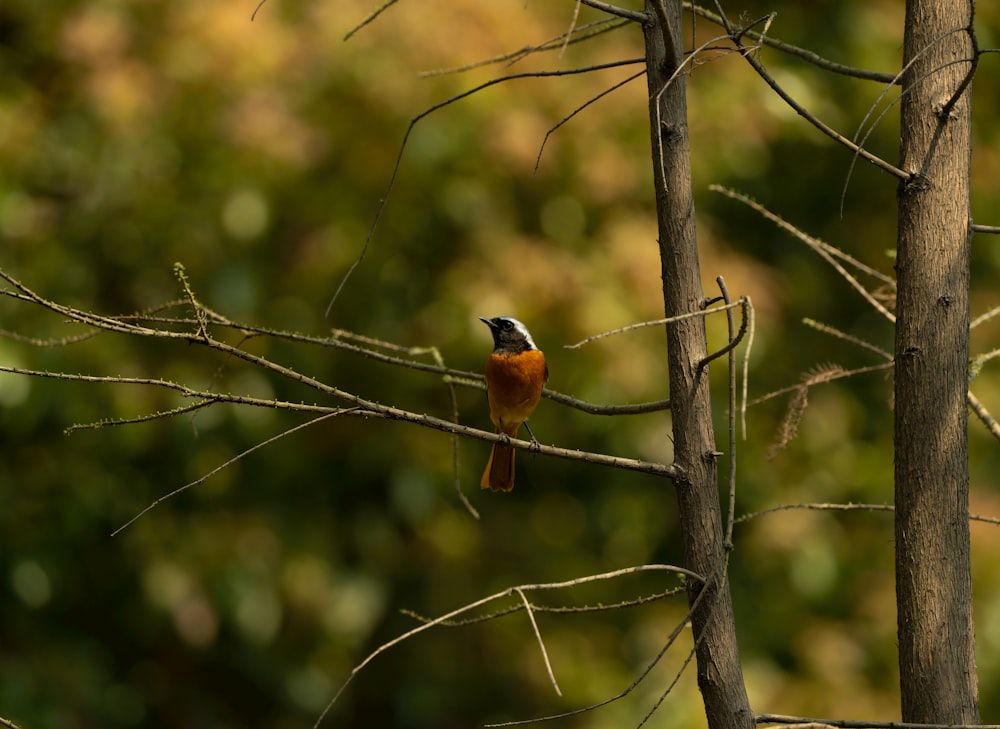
column 136, row 135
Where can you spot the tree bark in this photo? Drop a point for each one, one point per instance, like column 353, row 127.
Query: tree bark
column 933, row 583
column 720, row 676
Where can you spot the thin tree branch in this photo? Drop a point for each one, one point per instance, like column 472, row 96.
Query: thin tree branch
column 897, row 79
column 490, row 598
column 563, row 609
column 450, row 382
column 813, row 507
column 984, row 415
column 579, row 35
column 830, row 378
column 671, row 639
column 857, row 341
column 636, row 16
column 653, row 323
column 845, row 507
column 577, row 110
column 734, row 341
column 159, row 415
column 671, row 53
column 973, row 66
column 462, row 377
column 984, row 317
column 746, row 366
column 833, row 134
column 371, row 17
column 825, row 250
column 541, row 643
column 851, row 724
column 380, row 208
column 572, row 27
column 731, row 325
column 360, row 407
column 791, row 50
column 225, row 465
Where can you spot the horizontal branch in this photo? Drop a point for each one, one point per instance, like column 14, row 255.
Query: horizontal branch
column 360, row 407
column 852, row 724
column 554, row 609
column 123, row 324
column 461, row 377
column 846, row 507
column 635, row 15
column 787, row 48
column 450, row 616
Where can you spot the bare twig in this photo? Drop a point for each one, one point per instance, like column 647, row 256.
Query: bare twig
column 490, row 598
column 984, row 317
column 653, row 323
column 225, row 465
column 577, row 110
column 756, row 65
column 159, row 415
column 851, row 724
column 857, row 341
column 984, row 415
column 746, row 367
column 360, row 407
column 845, row 507
column 814, row 507
column 541, row 643
column 825, row 250
column 356, row 405
column 253, row 15
column 731, row 324
column 560, row 609
column 572, row 27
column 199, row 313
column 380, row 208
column 580, row 34
column 839, row 376
column 671, row 639
column 50, row 342
column 636, row 16
column 462, row 377
column 734, row 341
column 371, row 17
column 670, row 686
column 449, row 381
column 681, row 67
column 896, row 80
column 791, row 50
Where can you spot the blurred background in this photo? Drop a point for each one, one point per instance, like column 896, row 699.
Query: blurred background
column 255, row 152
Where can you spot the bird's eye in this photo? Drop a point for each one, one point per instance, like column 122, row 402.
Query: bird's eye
column 508, row 325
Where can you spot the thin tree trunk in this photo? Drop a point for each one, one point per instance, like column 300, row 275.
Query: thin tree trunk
column 933, row 584
column 720, row 676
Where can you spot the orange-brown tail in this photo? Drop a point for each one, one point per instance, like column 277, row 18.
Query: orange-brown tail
column 499, row 473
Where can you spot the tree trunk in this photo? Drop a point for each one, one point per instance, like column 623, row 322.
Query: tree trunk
column 933, row 583
column 720, row 676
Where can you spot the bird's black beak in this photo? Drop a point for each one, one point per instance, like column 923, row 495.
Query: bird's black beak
column 489, row 322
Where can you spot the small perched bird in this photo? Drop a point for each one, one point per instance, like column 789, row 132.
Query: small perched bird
column 515, row 374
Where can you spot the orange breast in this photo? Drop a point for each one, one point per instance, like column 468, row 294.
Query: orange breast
column 513, row 386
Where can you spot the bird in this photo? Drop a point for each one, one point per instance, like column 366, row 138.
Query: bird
column 515, row 374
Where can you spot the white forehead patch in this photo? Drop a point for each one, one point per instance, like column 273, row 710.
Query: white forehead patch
column 518, row 326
